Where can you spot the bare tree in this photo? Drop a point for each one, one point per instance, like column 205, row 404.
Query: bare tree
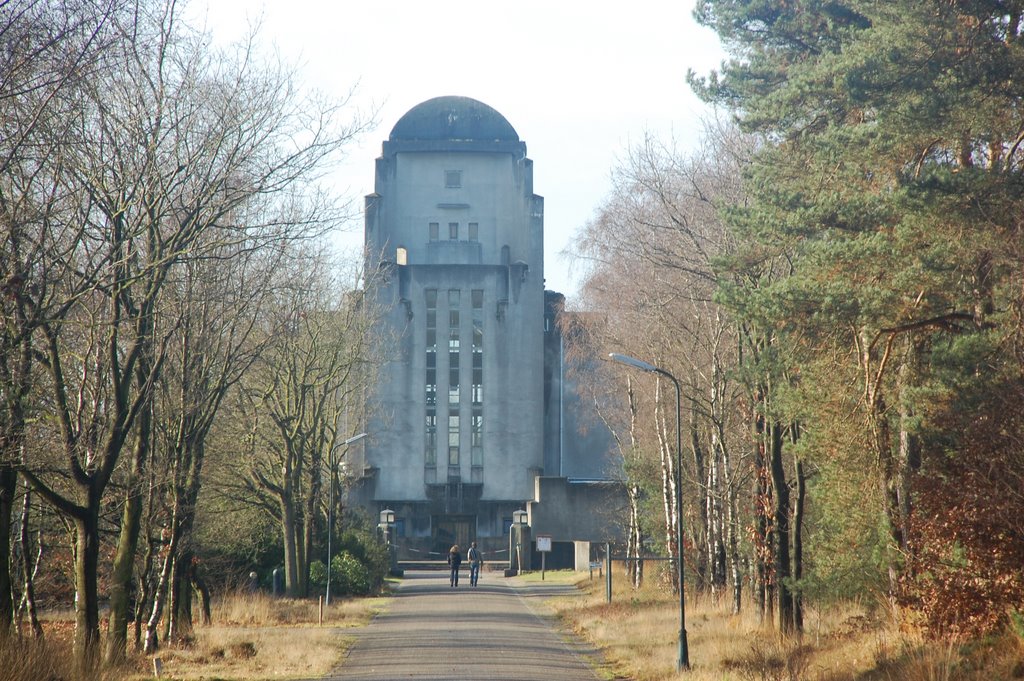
column 44, row 46
column 161, row 147
column 302, row 393
column 213, row 346
column 662, row 225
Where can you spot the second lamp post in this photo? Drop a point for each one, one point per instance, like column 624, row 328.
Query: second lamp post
column 683, row 660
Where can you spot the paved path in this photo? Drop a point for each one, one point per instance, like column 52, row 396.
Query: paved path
column 497, row 630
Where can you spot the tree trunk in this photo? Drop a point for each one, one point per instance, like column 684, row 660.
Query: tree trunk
column 734, row 552
column 128, row 543
column 881, row 434
column 716, row 526
column 636, row 532
column 668, row 490
column 701, row 559
column 306, row 536
column 28, row 569
column 199, row 584
column 636, row 538
column 179, row 610
column 180, row 624
column 780, row 491
column 87, row 615
column 162, row 592
column 121, row 577
column 762, row 506
column 798, row 544
column 291, row 565
column 160, row 595
column 909, row 458
column 8, row 487
column 145, row 578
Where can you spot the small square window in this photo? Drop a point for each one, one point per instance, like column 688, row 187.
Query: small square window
column 474, row 231
column 453, row 231
column 434, row 231
column 452, row 178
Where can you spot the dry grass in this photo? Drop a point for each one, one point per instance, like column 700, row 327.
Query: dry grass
column 260, row 637
column 254, row 636
column 639, row 632
column 261, row 610
column 36, row 660
column 278, row 652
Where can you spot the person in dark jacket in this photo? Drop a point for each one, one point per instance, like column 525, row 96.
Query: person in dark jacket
column 473, row 556
column 454, row 561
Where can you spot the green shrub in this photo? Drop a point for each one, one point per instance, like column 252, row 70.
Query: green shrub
column 350, row 576
column 318, row 574
column 368, row 550
column 357, row 569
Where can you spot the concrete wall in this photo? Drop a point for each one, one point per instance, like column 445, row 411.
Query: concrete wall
column 578, row 511
column 493, row 193
column 504, row 259
column 577, row 443
column 512, row 338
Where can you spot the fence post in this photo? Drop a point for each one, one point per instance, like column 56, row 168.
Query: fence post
column 608, row 572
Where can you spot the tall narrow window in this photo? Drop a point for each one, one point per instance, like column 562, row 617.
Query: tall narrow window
column 474, row 231
column 478, row 347
column 401, row 256
column 430, row 445
column 453, row 231
column 435, row 231
column 477, row 437
column 454, row 342
column 477, row 390
column 454, row 298
column 453, row 440
column 430, row 437
column 431, row 378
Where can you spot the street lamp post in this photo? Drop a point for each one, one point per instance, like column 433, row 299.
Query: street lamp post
column 683, row 660
column 330, row 511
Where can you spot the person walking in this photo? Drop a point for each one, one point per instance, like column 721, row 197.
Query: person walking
column 454, row 561
column 473, row 556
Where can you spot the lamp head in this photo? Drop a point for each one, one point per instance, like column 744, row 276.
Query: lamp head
column 633, row 362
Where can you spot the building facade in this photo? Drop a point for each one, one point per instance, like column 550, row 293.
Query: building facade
column 467, row 409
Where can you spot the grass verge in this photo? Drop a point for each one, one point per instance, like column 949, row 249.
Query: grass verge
column 639, row 634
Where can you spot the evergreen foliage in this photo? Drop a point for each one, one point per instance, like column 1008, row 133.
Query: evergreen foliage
column 880, row 247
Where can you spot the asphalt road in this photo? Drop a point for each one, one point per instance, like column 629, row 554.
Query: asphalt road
column 497, row 630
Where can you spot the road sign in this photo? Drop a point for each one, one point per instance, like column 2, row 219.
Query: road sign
column 544, row 548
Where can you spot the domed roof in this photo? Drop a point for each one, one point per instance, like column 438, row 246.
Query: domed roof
column 453, row 118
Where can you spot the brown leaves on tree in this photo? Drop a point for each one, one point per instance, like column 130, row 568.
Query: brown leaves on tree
column 965, row 575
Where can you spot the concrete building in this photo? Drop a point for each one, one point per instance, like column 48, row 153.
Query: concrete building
column 470, row 407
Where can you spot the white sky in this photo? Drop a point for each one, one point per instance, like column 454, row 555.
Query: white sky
column 580, row 80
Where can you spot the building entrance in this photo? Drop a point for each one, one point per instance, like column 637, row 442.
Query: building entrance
column 450, row 530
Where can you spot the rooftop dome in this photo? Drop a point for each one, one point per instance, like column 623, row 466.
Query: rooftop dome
column 453, row 118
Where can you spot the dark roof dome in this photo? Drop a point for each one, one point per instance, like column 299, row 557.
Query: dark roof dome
column 453, row 118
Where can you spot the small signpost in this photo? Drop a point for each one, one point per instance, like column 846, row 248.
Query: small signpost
column 544, row 548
